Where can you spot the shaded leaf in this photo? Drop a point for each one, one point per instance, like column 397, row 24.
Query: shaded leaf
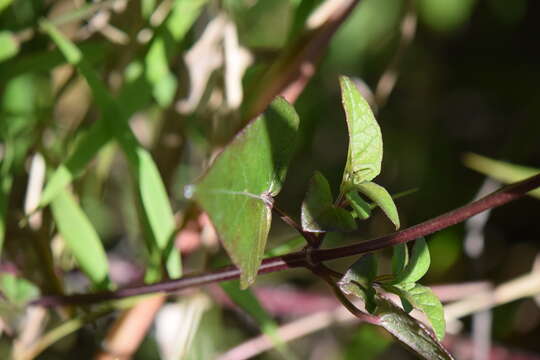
column 418, row 264
column 382, row 198
column 409, row 331
column 246, row 300
column 237, row 189
column 81, row 238
column 318, row 211
column 500, row 170
column 17, row 290
column 5, row 188
column 400, row 258
column 358, row 278
column 288, row 246
column 361, row 208
column 365, row 152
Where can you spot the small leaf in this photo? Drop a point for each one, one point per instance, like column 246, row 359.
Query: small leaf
column 288, row 246
column 382, row 198
column 17, row 290
column 9, row 47
column 422, row 298
column 400, row 258
column 409, row 331
column 418, row 264
column 318, row 211
column 502, row 171
column 81, row 238
column 365, row 140
column 361, row 208
column 246, row 300
column 358, row 278
column 237, row 189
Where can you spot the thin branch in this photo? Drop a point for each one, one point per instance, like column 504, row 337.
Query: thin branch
column 300, row 259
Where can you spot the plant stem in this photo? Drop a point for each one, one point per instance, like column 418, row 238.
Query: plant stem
column 300, row 259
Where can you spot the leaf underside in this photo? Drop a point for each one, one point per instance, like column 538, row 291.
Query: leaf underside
column 237, row 189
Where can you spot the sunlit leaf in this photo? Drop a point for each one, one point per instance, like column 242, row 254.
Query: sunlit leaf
column 318, row 211
column 418, row 264
column 409, row 331
column 157, row 216
column 237, row 190
column 365, row 152
column 500, row 170
column 246, row 300
column 361, row 208
column 81, row 238
column 422, row 298
column 9, row 47
column 382, row 198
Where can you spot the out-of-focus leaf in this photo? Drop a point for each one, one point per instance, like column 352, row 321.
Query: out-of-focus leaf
column 418, row 264
column 147, row 8
column 361, row 208
column 409, row 331
column 358, row 278
column 17, row 290
column 246, row 300
column 5, row 188
column 182, row 16
column 301, row 15
column 444, row 15
column 422, row 298
column 318, row 211
column 81, row 238
column 400, row 258
column 369, row 341
column 236, row 191
column 501, row 170
column 288, row 246
column 9, row 47
column 157, row 214
column 382, row 198
column 4, row 4
column 365, row 152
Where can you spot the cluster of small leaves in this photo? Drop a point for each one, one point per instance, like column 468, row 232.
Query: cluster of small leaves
column 362, row 280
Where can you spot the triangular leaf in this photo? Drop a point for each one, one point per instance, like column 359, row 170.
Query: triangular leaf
column 318, row 211
column 365, row 140
column 382, row 198
column 361, row 208
column 409, row 331
column 236, row 191
column 418, row 264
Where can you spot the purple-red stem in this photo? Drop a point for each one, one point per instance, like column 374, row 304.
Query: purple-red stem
column 302, row 259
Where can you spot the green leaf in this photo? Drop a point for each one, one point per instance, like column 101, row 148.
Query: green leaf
column 365, row 152
column 246, row 300
column 361, row 208
column 500, row 170
column 409, row 331
column 80, row 236
column 5, row 188
column 418, row 264
column 382, row 198
column 9, row 47
column 358, row 278
column 422, row 298
column 318, row 211
column 288, row 246
column 236, row 191
column 157, row 216
column 400, row 258
column 168, row 35
column 17, row 290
